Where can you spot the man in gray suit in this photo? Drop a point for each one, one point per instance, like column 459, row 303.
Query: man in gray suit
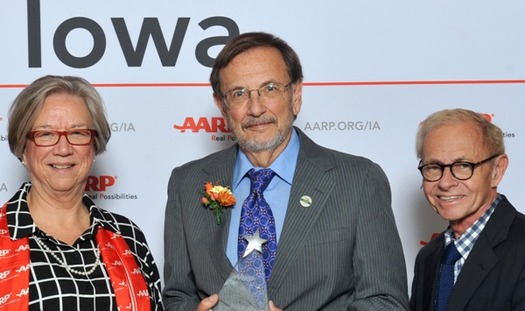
column 337, row 243
column 463, row 161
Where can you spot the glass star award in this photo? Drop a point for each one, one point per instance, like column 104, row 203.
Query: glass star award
column 245, row 288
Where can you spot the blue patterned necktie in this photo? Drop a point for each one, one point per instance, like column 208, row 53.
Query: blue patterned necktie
column 446, row 276
column 256, row 214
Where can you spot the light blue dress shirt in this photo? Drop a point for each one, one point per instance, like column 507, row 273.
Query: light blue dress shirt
column 277, row 194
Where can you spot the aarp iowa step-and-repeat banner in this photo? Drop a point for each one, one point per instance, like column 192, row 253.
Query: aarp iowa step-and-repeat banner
column 373, row 70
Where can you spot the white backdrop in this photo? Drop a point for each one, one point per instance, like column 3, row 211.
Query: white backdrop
column 373, row 70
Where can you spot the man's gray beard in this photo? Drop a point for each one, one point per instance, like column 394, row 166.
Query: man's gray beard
column 252, row 146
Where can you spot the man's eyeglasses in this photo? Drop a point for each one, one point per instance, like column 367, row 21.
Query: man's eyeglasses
column 268, row 93
column 461, row 170
column 77, row 137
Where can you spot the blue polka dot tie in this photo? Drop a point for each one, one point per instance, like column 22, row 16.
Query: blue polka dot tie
column 446, row 276
column 256, row 214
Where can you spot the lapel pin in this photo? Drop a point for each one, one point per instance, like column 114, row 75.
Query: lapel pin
column 305, row 201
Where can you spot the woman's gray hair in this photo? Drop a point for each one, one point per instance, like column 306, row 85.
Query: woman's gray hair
column 28, row 104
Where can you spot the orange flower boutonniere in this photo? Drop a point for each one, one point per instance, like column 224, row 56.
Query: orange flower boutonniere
column 217, row 197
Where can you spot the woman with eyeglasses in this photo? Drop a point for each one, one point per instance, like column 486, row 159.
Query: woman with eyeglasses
column 59, row 250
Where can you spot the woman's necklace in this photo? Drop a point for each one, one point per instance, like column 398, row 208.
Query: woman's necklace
column 63, row 264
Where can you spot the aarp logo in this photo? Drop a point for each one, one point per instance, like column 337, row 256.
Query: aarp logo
column 209, row 125
column 488, row 116
column 433, row 236
column 100, row 183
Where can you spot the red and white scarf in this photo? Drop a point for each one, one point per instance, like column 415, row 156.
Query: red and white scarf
column 129, row 286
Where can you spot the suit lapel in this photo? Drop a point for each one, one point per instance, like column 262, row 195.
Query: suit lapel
column 220, row 169
column 431, row 274
column 479, row 263
column 482, row 258
column 311, row 179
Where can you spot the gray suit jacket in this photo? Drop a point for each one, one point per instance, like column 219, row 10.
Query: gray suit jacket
column 493, row 276
column 341, row 253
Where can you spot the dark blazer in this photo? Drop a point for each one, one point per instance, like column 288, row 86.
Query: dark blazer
column 341, row 253
column 493, row 276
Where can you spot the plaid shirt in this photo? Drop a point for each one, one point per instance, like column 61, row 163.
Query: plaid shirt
column 51, row 286
column 466, row 241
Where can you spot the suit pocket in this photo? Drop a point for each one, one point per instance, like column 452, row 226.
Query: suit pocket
column 326, row 237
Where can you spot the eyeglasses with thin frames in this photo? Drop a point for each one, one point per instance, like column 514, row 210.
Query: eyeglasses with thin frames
column 269, row 92
column 461, row 170
column 76, row 137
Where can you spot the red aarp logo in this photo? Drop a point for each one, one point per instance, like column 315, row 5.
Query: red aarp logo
column 209, row 125
column 100, row 183
column 488, row 116
column 434, row 235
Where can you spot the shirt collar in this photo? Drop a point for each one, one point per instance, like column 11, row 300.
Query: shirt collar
column 466, row 241
column 21, row 224
column 281, row 166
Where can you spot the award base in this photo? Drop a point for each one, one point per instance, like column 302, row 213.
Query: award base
column 242, row 291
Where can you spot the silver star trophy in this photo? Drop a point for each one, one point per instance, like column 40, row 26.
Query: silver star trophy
column 245, row 288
